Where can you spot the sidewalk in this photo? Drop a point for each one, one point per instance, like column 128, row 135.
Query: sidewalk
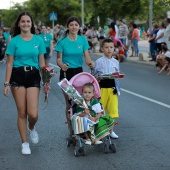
column 143, row 49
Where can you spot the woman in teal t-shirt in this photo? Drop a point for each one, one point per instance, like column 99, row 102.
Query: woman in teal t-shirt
column 70, row 51
column 48, row 41
column 25, row 54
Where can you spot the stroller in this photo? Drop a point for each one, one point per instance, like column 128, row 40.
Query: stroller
column 77, row 82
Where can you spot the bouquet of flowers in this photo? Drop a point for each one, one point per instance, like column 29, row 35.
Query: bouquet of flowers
column 72, row 93
column 115, row 75
column 47, row 73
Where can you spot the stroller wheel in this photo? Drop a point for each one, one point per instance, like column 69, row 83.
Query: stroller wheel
column 68, row 142
column 112, row 148
column 74, row 142
column 82, row 151
column 76, row 152
column 105, row 148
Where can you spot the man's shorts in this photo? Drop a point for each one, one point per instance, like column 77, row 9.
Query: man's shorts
column 25, row 77
column 109, row 102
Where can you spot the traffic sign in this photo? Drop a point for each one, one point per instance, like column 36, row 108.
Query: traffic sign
column 168, row 14
column 53, row 16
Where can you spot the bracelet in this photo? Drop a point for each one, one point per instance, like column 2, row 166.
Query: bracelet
column 7, row 84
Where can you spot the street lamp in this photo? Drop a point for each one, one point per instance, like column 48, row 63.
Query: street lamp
column 82, row 4
column 150, row 14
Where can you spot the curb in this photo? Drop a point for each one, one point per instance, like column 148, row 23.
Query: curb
column 134, row 60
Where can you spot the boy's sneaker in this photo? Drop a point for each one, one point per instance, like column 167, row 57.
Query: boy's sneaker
column 88, row 142
column 33, row 136
column 113, row 135
column 25, row 149
column 98, row 142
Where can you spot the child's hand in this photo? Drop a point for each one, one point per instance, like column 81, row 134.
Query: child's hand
column 92, row 119
column 87, row 111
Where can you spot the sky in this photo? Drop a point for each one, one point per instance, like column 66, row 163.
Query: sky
column 5, row 4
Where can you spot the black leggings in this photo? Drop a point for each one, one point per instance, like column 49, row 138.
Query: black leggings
column 158, row 45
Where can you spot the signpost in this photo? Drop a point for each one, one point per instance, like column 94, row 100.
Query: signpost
column 53, row 17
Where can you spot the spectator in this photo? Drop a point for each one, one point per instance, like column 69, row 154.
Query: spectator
column 166, row 63
column 129, row 36
column 106, row 31
column 144, row 35
column 123, row 31
column 114, row 30
column 120, row 52
column 152, row 36
column 94, row 38
column 89, row 38
column 161, row 56
column 101, row 37
column 160, row 36
column 135, row 39
column 167, row 32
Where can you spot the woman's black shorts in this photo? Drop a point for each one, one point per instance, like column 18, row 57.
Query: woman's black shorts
column 70, row 73
column 46, row 55
column 25, row 77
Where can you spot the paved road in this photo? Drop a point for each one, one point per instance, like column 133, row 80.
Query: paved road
column 144, row 140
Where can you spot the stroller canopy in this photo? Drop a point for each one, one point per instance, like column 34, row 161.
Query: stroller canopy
column 80, row 79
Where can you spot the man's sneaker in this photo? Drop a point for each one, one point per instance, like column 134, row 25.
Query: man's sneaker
column 88, row 142
column 25, row 149
column 113, row 135
column 98, row 142
column 33, row 136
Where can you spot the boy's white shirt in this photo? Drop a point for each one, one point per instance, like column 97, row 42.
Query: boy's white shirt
column 106, row 65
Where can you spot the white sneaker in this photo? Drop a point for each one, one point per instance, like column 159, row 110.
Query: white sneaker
column 98, row 142
column 113, row 135
column 25, row 149
column 88, row 142
column 33, row 136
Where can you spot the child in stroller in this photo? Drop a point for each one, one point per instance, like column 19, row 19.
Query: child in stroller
column 91, row 119
column 89, row 123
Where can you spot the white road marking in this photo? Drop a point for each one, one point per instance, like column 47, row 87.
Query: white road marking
column 146, row 98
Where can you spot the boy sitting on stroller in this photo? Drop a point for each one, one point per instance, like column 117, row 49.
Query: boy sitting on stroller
column 91, row 121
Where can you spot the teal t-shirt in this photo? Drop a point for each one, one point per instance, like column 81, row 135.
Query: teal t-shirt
column 6, row 35
column 72, row 51
column 26, row 53
column 47, row 39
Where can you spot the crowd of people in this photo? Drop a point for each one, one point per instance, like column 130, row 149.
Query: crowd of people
column 159, row 40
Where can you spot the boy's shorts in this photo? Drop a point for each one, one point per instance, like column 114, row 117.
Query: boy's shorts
column 109, row 102
column 25, row 77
